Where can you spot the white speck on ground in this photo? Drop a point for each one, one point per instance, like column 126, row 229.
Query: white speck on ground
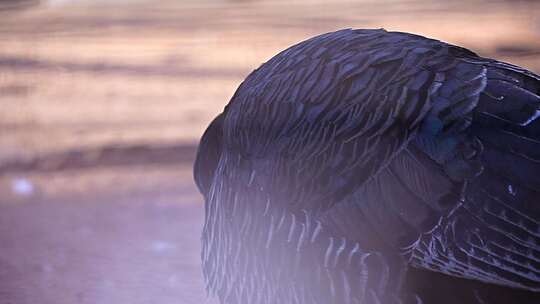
column 22, row 186
column 162, row 246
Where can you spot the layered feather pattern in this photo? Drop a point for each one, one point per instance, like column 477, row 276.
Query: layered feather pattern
column 354, row 155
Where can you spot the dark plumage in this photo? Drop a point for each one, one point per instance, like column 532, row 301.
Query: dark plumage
column 359, row 165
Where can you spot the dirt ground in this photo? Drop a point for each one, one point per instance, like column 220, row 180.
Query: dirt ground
column 117, row 235
column 83, row 76
column 101, row 106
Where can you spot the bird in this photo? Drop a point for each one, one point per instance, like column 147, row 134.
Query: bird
column 368, row 166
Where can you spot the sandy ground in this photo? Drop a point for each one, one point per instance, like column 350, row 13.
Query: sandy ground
column 101, row 106
column 102, row 235
column 81, row 76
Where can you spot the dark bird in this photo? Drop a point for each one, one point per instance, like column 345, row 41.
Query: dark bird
column 366, row 166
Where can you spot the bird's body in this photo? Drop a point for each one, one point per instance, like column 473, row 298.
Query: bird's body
column 353, row 156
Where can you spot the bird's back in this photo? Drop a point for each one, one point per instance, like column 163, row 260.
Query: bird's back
column 367, row 143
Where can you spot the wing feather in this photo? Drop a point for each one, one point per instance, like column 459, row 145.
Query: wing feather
column 495, row 228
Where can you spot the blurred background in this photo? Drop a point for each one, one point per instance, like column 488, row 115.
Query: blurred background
column 101, row 107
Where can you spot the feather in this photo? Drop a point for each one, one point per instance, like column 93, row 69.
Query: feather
column 356, row 154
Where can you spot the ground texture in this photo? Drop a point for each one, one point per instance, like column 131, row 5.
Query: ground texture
column 101, row 107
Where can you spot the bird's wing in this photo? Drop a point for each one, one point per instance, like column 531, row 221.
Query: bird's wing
column 493, row 234
column 470, row 193
column 323, row 117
